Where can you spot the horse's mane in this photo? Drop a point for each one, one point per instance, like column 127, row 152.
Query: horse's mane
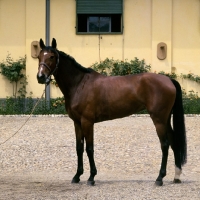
column 77, row 65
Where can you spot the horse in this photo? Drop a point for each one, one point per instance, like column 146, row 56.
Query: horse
column 91, row 97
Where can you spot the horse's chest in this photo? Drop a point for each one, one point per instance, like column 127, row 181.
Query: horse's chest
column 74, row 111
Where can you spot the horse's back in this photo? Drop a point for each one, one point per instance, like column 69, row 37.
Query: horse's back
column 136, row 87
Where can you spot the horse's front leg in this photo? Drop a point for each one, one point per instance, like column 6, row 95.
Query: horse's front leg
column 87, row 128
column 79, row 151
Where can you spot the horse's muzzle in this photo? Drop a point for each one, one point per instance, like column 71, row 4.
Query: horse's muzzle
column 42, row 79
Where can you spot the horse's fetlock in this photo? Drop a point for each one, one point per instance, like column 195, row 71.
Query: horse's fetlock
column 89, row 151
column 163, row 173
column 80, row 171
column 93, row 172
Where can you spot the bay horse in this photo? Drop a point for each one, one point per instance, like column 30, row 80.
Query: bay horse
column 91, row 97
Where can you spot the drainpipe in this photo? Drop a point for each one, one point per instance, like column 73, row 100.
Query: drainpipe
column 47, row 39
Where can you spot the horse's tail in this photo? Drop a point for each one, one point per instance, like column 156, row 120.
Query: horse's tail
column 180, row 143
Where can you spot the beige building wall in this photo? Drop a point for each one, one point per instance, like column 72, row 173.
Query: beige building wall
column 186, row 41
column 35, row 29
column 12, row 36
column 146, row 23
column 186, row 36
column 137, row 30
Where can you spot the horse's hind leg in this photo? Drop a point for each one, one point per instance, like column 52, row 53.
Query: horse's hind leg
column 164, row 147
column 178, row 169
column 79, row 151
column 161, row 129
column 166, row 136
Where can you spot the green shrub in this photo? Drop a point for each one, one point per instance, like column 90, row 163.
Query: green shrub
column 170, row 75
column 191, row 102
column 16, row 106
column 14, row 72
column 120, row 68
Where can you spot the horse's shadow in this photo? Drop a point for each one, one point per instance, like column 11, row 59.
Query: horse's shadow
column 137, row 181
column 26, row 185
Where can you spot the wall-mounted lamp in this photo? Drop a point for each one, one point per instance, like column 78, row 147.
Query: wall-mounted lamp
column 161, row 51
column 35, row 49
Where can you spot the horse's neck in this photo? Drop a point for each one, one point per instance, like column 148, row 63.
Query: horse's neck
column 68, row 78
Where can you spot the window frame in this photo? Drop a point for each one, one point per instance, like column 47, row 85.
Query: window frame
column 111, row 15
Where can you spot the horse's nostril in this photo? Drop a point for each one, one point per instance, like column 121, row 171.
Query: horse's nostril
column 41, row 78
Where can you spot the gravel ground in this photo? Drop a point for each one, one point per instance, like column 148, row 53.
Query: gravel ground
column 40, row 160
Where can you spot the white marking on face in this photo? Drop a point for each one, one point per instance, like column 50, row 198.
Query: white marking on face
column 45, row 53
column 40, row 71
column 177, row 172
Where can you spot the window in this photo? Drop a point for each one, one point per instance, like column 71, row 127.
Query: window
column 98, row 24
column 99, row 16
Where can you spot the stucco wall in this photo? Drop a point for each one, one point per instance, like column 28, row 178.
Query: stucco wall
column 186, row 36
column 12, row 36
column 146, row 23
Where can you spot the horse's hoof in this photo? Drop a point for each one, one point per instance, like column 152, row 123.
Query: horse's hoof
column 158, row 183
column 177, row 181
column 75, row 180
column 91, row 183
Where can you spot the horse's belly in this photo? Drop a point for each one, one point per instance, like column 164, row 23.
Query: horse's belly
column 117, row 110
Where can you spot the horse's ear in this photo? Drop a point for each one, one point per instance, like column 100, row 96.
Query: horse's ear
column 54, row 44
column 42, row 45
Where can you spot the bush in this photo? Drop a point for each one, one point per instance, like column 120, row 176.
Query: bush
column 120, row 68
column 170, row 75
column 191, row 102
column 14, row 72
column 16, row 106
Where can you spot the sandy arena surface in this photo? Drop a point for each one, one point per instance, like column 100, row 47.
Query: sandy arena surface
column 40, row 160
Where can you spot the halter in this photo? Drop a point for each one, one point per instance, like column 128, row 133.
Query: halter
column 51, row 72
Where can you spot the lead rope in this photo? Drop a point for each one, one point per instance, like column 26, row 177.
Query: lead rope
column 26, row 119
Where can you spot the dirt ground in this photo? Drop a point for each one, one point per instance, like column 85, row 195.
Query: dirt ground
column 40, row 160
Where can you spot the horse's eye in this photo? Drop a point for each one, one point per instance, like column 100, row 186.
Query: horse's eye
column 52, row 57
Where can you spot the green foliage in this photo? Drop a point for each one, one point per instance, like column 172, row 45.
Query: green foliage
column 15, row 106
column 170, row 75
column 120, row 68
column 13, row 71
column 103, row 67
column 191, row 102
column 191, row 77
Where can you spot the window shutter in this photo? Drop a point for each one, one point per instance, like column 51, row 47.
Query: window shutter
column 99, row 6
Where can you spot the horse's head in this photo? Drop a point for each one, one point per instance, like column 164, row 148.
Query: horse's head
column 48, row 62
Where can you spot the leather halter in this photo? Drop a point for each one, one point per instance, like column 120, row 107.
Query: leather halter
column 51, row 71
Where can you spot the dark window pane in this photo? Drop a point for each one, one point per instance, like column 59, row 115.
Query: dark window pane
column 116, row 23
column 104, row 24
column 93, row 24
column 93, row 19
column 93, row 27
column 104, row 19
column 82, row 23
column 99, row 24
